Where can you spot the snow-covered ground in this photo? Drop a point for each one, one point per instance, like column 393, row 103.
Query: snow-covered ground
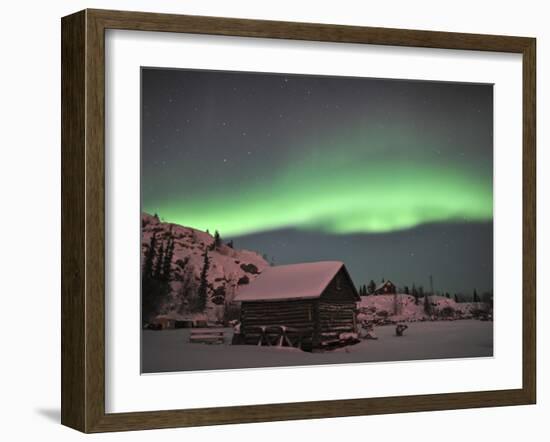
column 170, row 350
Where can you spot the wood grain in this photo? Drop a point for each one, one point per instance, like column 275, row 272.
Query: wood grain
column 529, row 221
column 83, row 219
column 73, row 254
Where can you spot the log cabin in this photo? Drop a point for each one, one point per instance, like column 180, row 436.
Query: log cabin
column 386, row 288
column 307, row 305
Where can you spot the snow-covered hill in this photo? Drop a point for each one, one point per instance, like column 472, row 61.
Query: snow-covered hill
column 229, row 268
column 402, row 307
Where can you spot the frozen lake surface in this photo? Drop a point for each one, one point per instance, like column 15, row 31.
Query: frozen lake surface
column 170, row 350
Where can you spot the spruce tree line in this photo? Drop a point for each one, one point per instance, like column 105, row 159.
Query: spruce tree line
column 419, row 293
column 202, row 292
column 157, row 273
column 366, row 290
column 155, row 276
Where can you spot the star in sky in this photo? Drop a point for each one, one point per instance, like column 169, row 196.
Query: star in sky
column 339, row 162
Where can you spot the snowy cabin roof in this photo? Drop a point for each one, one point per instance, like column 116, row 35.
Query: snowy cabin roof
column 294, row 281
column 382, row 284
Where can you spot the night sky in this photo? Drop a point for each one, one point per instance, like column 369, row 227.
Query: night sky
column 392, row 177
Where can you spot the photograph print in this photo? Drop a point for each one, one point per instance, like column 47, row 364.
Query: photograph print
column 297, row 220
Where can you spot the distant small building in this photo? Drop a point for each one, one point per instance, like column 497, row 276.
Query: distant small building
column 314, row 303
column 164, row 322
column 386, row 288
column 175, row 320
column 184, row 323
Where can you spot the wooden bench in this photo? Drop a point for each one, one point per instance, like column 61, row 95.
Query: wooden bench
column 207, row 335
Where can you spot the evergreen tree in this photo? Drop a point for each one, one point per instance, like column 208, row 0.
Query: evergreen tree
column 159, row 263
column 456, row 298
column 448, row 295
column 167, row 261
column 427, row 305
column 406, row 290
column 217, row 240
column 371, row 287
column 396, row 304
column 476, row 297
column 149, row 260
column 153, row 290
column 415, row 294
column 188, row 287
column 147, row 282
column 202, row 292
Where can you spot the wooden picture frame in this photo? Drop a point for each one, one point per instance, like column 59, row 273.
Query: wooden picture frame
column 83, row 220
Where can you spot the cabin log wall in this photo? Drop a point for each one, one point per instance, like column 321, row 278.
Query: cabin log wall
column 336, row 310
column 295, row 314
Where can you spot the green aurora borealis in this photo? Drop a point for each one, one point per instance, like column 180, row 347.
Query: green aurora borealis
column 344, row 186
column 343, row 161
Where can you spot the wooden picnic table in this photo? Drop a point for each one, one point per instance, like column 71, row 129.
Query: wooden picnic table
column 207, row 335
